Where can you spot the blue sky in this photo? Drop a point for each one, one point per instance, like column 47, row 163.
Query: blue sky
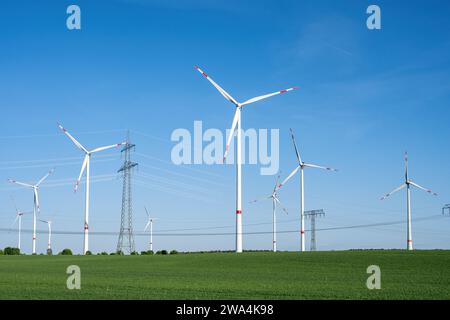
column 365, row 97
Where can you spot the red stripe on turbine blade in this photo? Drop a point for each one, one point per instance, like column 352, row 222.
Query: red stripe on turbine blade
column 409, row 241
column 302, row 232
column 238, row 211
column 283, row 91
column 206, row 76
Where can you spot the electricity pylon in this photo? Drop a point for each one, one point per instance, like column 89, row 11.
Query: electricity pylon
column 126, row 237
column 312, row 214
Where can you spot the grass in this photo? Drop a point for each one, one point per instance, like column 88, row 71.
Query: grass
column 256, row 275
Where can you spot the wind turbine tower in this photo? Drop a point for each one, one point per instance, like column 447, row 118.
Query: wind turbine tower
column 36, row 207
column 236, row 127
column 301, row 167
column 275, row 201
column 312, row 214
column 407, row 184
column 126, row 237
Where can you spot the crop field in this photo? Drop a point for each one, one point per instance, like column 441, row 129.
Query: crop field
column 251, row 275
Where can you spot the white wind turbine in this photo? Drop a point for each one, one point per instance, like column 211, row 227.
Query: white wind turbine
column 301, row 166
column 49, row 224
column 19, row 215
column 408, row 183
column 236, row 126
column 275, row 200
column 86, row 166
column 150, row 223
column 36, row 206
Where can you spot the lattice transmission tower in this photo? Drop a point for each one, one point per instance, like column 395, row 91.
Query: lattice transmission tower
column 446, row 209
column 126, row 237
column 312, row 214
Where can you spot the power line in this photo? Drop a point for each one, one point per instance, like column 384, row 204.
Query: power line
column 106, row 233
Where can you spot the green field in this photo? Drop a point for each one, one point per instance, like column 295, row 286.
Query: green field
column 258, row 275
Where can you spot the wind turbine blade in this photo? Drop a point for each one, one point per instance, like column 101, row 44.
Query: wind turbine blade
column 255, row 99
column 231, row 133
column 318, row 167
column 146, row 211
column 276, row 184
column 261, row 199
column 289, row 176
column 43, row 221
column 394, row 191
column 83, row 167
column 21, row 183
column 44, row 177
column 281, row 205
column 146, row 226
column 222, row 91
column 15, row 220
column 406, row 166
column 299, row 159
column 15, row 205
column 424, row 189
column 72, row 138
column 109, row 147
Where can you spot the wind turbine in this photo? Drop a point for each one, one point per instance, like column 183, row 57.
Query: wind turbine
column 275, row 200
column 19, row 215
column 236, row 126
column 150, row 223
column 86, row 166
column 36, row 206
column 49, row 224
column 301, row 166
column 408, row 183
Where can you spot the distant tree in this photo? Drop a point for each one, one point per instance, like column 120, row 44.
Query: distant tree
column 1, row 252
column 66, row 252
column 88, row 253
column 164, row 252
column 119, row 253
column 104, row 253
column 173, row 252
column 49, row 252
column 11, row 251
column 134, row 253
column 112, row 254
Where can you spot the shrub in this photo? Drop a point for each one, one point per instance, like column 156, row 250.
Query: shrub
column 104, row 253
column 119, row 252
column 88, row 253
column 112, row 254
column 49, row 252
column 11, row 251
column 134, row 253
column 1, row 252
column 66, row 252
column 164, row 252
column 173, row 252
